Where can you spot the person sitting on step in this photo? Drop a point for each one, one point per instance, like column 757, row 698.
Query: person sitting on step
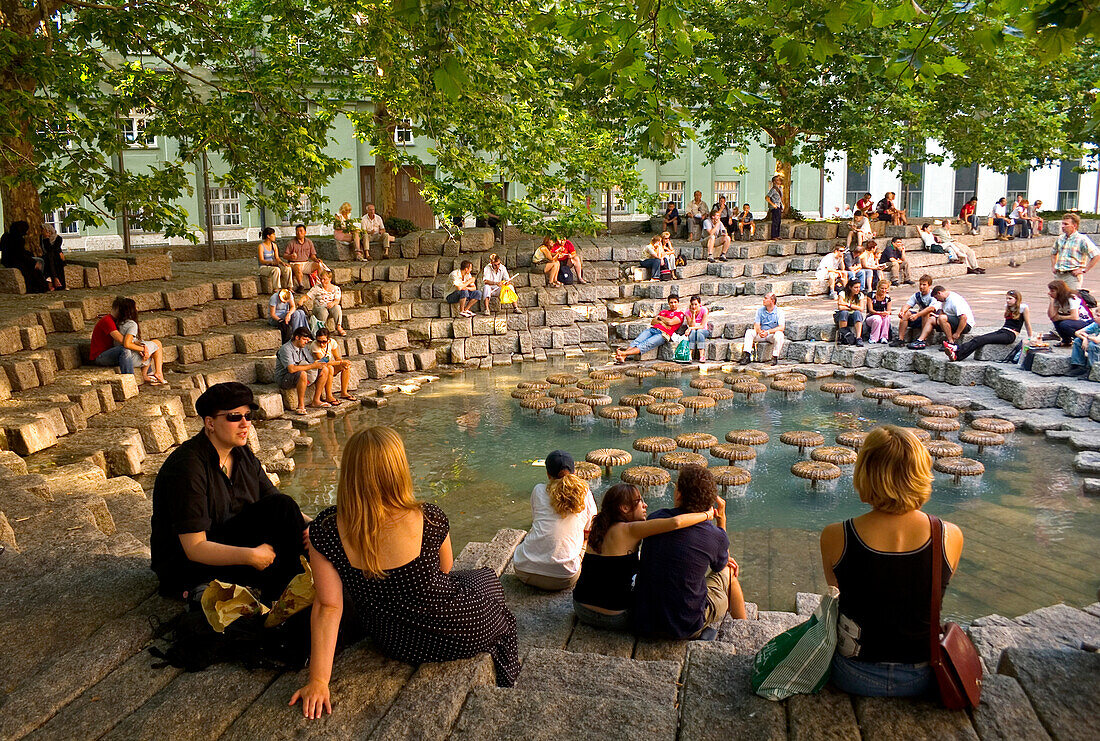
column 744, row 224
column 216, row 515
column 957, row 251
column 326, row 350
column 146, row 354
column 851, row 309
column 672, row 218
column 658, row 261
column 1001, row 220
column 106, row 347
column 493, row 279
column 687, row 581
column 859, row 230
column 698, row 328
column 878, row 313
column 549, row 556
column 296, row 368
column 882, row 563
column 1086, row 350
column 545, row 254
column 954, row 318
column 302, row 257
column 919, row 310
column 565, row 252
column 1066, row 311
column 326, row 297
column 373, row 229
column 271, row 263
column 283, row 312
column 714, row 238
column 893, row 257
column 768, row 326
column 603, row 595
column 464, row 290
column 968, row 214
column 887, row 211
column 831, row 270
column 1017, row 317
column 391, row 556
column 660, row 331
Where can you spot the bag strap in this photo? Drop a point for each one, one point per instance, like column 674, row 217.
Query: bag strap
column 937, row 571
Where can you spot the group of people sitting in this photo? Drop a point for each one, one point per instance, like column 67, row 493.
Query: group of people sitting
column 287, row 313
column 667, row 574
column 709, row 225
column 1006, row 218
column 43, row 265
column 885, row 210
column 495, row 281
column 561, row 263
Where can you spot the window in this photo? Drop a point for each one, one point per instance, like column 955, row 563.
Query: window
column 1017, row 185
column 727, row 188
column 966, row 185
column 403, row 133
column 912, row 192
column 671, row 190
column 299, row 214
column 225, row 207
column 133, row 130
column 1069, row 184
column 618, row 204
column 57, row 220
column 57, row 129
column 858, row 183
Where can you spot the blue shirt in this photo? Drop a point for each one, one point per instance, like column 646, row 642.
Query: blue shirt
column 769, row 319
column 670, row 592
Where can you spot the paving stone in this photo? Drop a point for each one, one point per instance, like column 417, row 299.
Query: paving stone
column 593, row 675
column 826, row 716
column 543, row 620
column 1087, row 462
column 493, row 713
column 429, row 703
column 749, row 636
column 1063, row 687
column 717, row 701
column 22, row 374
column 215, row 345
column 364, row 684
column 13, row 463
column 806, row 603
column 890, row 719
column 586, row 639
column 1005, row 713
column 34, row 337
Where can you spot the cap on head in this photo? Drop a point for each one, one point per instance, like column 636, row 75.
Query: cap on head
column 222, row 396
column 558, row 462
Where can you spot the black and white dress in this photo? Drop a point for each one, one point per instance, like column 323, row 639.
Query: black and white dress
column 418, row 613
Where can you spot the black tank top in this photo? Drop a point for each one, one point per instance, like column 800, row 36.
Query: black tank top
column 878, row 305
column 606, row 581
column 884, row 601
column 1015, row 324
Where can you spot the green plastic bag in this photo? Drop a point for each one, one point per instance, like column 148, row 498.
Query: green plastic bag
column 683, row 352
column 797, row 661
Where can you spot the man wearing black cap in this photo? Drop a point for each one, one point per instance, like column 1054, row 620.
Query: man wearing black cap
column 216, row 515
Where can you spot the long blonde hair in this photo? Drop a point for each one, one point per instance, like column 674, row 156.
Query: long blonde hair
column 567, row 494
column 374, row 482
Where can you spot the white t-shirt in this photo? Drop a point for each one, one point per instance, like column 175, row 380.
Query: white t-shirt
column 499, row 276
column 829, row 262
column 554, row 544
column 865, row 227
column 928, row 238
column 998, row 211
column 955, row 305
column 457, row 281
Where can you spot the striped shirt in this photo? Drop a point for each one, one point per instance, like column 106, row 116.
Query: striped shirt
column 1073, row 251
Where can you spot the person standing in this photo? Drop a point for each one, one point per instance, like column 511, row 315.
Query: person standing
column 774, row 199
column 1073, row 254
column 216, row 515
column 697, row 211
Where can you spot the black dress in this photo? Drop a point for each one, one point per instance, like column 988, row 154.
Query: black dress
column 417, row 613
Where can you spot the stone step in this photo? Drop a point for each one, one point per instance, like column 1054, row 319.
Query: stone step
column 594, row 675
column 496, row 713
column 717, row 702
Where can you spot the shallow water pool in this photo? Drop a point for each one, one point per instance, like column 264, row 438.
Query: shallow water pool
column 1031, row 537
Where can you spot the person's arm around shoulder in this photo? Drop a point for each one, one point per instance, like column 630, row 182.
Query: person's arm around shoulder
column 644, row 528
column 832, row 546
column 328, row 606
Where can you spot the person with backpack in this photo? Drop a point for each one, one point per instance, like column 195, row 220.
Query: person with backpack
column 920, row 310
column 851, row 308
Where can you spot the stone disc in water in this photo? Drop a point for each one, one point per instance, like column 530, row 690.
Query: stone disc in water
column 666, row 409
column 562, row 379
column 637, row 401
column 705, row 383
column 593, row 384
column 922, row 435
column 654, row 444
column 645, row 476
column 838, row 388
column 573, row 410
column 666, row 393
column 564, row 392
column 698, row 402
column 680, row 458
column 641, row 373
column 537, row 402
column 992, row 424
column 731, row 476
column 606, row 374
column 595, row 400
column 587, row 471
column 881, row 392
column 541, row 385
column 802, row 438
column 959, row 466
column 816, row 470
column 608, row 457
column 911, row 401
column 526, row 393
column 696, row 440
column 747, row 437
column 721, row 394
column 981, row 438
column 938, row 410
column 944, row 449
column 617, row 413
column 851, row 439
column 733, row 451
column 838, row 455
column 938, row 425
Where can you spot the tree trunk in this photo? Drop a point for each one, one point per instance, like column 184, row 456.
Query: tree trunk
column 385, row 171
column 19, row 196
column 784, row 169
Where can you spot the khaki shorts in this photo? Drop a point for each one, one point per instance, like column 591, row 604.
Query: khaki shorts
column 718, row 596
column 548, row 583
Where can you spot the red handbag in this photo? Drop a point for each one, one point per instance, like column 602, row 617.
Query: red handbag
column 954, row 660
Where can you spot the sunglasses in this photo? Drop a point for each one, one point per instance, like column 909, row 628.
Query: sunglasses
column 235, row 416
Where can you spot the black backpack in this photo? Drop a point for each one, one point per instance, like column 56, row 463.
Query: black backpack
column 565, row 274
column 1086, row 297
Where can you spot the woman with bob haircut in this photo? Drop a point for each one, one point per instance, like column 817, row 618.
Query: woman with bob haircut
column 882, row 563
column 602, row 597
column 562, row 509
column 393, row 556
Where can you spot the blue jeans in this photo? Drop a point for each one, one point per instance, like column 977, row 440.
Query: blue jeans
column 117, row 355
column 881, row 679
column 697, row 338
column 973, row 219
column 847, row 318
column 596, row 619
column 866, row 279
column 650, row 339
column 1083, row 356
column 1002, row 226
column 1066, row 327
column 297, row 319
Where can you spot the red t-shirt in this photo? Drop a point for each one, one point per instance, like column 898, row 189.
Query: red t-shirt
column 864, row 204
column 101, row 336
column 565, row 250
column 967, row 209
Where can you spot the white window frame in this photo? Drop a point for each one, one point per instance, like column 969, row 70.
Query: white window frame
column 722, row 188
column 1011, row 194
column 133, row 130
column 671, row 190
column 56, row 219
column 618, row 203
column 1065, row 203
column 225, row 207
column 300, row 46
column 403, row 134
column 294, row 215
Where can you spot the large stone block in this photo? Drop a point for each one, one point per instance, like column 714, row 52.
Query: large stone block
column 477, row 347
column 381, row 365
column 425, row 267
column 887, row 719
column 1063, row 687
column 113, row 272
column 560, row 317
column 257, row 340
column 27, row 434
column 33, row 337
column 717, row 700
column 216, row 345
column 22, row 374
column 393, row 339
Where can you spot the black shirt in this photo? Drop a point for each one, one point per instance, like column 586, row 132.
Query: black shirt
column 670, row 593
column 193, row 495
column 890, row 252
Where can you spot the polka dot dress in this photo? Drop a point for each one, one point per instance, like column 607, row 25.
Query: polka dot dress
column 417, row 613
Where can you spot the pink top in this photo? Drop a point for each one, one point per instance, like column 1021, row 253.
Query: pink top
column 699, row 318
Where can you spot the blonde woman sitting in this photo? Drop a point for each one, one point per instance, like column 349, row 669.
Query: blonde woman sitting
column 882, row 563
column 346, row 231
column 561, row 510
column 545, row 254
column 392, row 556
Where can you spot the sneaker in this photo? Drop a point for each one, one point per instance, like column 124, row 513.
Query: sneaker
column 1051, row 336
column 950, row 350
column 897, row 343
column 972, row 271
column 710, row 259
column 1076, row 371
column 745, row 358
column 859, row 342
column 721, row 258
column 917, row 345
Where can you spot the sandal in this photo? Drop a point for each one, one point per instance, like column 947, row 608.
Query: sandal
column 300, row 412
column 319, row 405
column 346, row 397
column 333, row 402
